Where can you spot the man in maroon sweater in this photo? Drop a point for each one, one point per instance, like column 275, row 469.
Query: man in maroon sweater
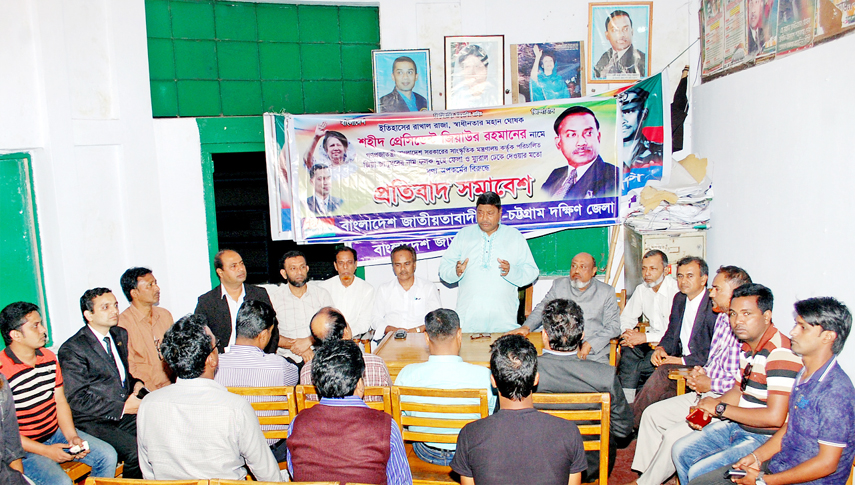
column 342, row 439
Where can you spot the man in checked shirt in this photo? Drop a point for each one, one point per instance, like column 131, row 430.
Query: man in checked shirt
column 664, row 422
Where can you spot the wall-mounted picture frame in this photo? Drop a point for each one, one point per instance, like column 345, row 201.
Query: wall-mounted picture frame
column 401, row 80
column 619, row 39
column 474, row 71
column 553, row 70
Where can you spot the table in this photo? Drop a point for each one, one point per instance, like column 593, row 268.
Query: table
column 399, row 352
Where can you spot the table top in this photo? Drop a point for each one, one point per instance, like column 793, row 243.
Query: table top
column 414, row 348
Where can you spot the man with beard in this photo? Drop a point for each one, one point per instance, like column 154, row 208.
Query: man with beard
column 652, row 299
column 295, row 303
column 598, row 303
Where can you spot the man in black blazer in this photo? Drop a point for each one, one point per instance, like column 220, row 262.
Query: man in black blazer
column 561, row 370
column 102, row 393
column 586, row 175
column 220, row 305
column 686, row 342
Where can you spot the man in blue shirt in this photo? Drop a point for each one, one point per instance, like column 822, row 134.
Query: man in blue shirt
column 489, row 262
column 817, row 444
column 444, row 369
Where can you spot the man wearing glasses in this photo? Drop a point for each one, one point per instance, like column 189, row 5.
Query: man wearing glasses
column 196, row 428
column 756, row 406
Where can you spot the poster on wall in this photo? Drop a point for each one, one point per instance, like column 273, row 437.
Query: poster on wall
column 735, row 39
column 712, row 29
column 278, row 177
column 401, row 80
column 547, row 71
column 833, row 17
column 762, row 28
column 795, row 25
column 474, row 71
column 619, row 39
column 409, row 175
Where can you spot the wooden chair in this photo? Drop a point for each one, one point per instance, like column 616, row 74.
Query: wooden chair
column 223, row 481
column 614, row 344
column 595, row 422
column 131, row 481
column 404, row 404
column 384, row 404
column 273, row 415
column 680, row 376
column 76, row 470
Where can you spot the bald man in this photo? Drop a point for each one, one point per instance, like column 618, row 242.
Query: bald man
column 598, row 303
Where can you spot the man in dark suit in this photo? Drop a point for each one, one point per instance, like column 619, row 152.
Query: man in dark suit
column 622, row 60
column 220, row 305
column 561, row 370
column 586, row 175
column 687, row 341
column 322, row 202
column 102, row 393
column 403, row 98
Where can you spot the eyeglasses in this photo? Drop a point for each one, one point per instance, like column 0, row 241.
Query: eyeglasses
column 746, row 373
column 216, row 346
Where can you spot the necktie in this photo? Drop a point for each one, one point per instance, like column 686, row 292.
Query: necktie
column 568, row 184
column 112, row 357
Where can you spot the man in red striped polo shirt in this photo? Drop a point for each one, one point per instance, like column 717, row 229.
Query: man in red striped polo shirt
column 44, row 417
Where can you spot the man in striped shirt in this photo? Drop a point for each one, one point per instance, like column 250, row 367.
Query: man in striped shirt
column 47, row 428
column 246, row 364
column 756, row 406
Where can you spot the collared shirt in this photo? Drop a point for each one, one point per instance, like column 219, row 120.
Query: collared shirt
column 112, row 350
column 33, row 390
column 773, row 371
column 393, row 306
column 486, row 300
column 723, row 362
column 689, row 314
column 356, row 302
column 446, row 372
column 234, row 306
column 144, row 336
column 821, row 412
column 196, row 428
column 249, row 366
column 376, row 373
column 655, row 305
column 295, row 314
column 397, row 468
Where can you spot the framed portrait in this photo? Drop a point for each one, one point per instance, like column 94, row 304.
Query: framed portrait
column 474, row 71
column 401, row 80
column 547, row 71
column 619, row 38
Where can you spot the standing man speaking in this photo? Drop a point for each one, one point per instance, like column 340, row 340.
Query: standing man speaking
column 489, row 262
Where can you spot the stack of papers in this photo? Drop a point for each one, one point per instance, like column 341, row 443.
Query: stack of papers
column 682, row 204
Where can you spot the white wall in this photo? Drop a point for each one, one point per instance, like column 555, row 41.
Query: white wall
column 75, row 94
column 780, row 137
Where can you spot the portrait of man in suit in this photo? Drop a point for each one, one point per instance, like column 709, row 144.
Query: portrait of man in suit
column 322, row 202
column 622, row 58
column 586, row 175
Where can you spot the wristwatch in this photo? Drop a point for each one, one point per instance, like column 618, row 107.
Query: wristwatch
column 759, row 480
column 719, row 409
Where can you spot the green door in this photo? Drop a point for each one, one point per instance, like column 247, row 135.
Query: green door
column 22, row 272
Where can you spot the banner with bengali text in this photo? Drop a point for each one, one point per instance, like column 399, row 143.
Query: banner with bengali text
column 416, row 176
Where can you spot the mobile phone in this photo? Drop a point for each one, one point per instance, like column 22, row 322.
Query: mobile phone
column 734, row 473
column 400, row 334
column 697, row 417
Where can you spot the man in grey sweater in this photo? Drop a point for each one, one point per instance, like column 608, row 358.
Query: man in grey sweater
column 598, row 303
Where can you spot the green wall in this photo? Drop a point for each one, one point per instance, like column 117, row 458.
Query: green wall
column 212, row 58
column 22, row 270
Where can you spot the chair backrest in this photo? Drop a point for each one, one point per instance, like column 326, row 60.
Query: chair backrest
column 594, row 421
column 621, row 299
column 429, row 414
column 303, row 391
column 275, row 407
column 223, row 481
column 129, row 481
